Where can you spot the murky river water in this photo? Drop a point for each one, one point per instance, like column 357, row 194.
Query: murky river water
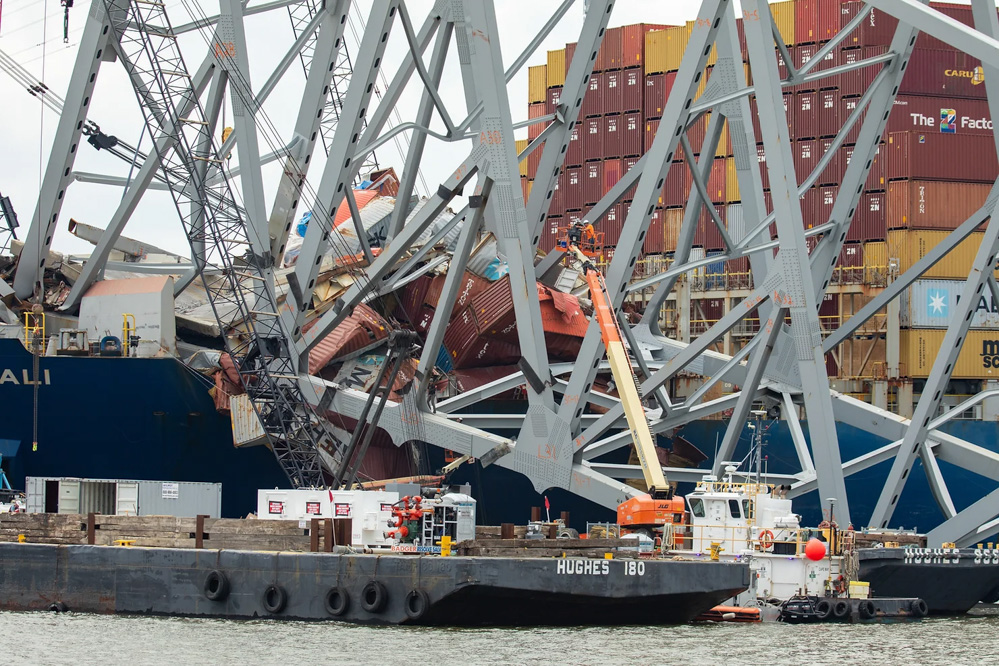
column 46, row 638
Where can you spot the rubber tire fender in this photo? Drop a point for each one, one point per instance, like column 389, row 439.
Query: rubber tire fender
column 374, row 596
column 274, row 598
column 216, row 586
column 417, row 604
column 918, row 608
column 841, row 610
column 58, row 607
column 337, row 601
column 866, row 609
column 823, row 609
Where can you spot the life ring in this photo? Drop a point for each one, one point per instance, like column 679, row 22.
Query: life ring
column 823, row 609
column 216, row 586
column 841, row 610
column 866, row 609
column 417, row 603
column 766, row 540
column 373, row 597
column 918, row 608
column 275, row 599
column 337, row 601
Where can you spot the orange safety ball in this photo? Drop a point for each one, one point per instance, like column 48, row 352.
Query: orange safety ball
column 815, row 550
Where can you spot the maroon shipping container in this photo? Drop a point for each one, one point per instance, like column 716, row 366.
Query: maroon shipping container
column 554, row 97
column 655, row 95
column 655, row 236
column 613, row 92
column 573, row 195
column 613, row 170
column 803, row 54
column 533, row 161
column 574, row 153
column 613, row 131
column 633, row 43
column 695, row 135
column 610, row 54
column 877, row 177
column 651, row 127
column 933, row 114
column 822, row 205
column 761, row 158
column 936, row 156
column 806, row 115
column 593, row 139
column 960, row 13
column 611, row 224
column 807, row 153
column 593, row 182
column 828, row 20
column 629, row 162
column 852, row 83
column 716, row 181
column 806, row 21
column 943, row 73
column 536, row 110
column 631, row 134
column 558, row 196
column 808, row 201
column 833, row 173
column 633, row 89
column 706, row 234
column 877, row 28
column 848, row 105
column 593, row 100
column 676, row 186
column 549, row 233
column 918, row 204
column 828, row 113
column 870, row 219
column 570, row 53
column 789, row 104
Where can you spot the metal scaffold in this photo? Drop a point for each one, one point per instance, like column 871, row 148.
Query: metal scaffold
column 560, row 440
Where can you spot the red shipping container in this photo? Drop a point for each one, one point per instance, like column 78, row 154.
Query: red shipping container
column 761, row 158
column 593, row 182
column 533, row 161
column 828, row 113
column 870, row 219
column 828, row 21
column 611, row 224
column 655, row 95
column 593, row 100
column 789, row 104
column 806, row 21
column 808, row 206
column 593, row 139
column 716, row 181
column 707, row 234
column 695, row 135
column 803, row 54
column 536, row 110
column 570, row 53
column 613, row 92
column 933, row 114
column 558, row 196
column 877, row 28
column 807, row 153
column 633, row 89
column 549, row 233
column 833, row 173
column 629, row 162
column 677, row 186
column 848, row 105
column 633, row 43
column 573, row 194
column 960, row 13
column 918, row 204
column 554, row 97
column 943, row 73
column 822, row 203
column 631, row 134
column 806, row 116
column 613, row 132
column 852, row 83
column 574, row 153
column 877, row 177
column 609, row 56
column 651, row 127
column 655, row 235
column 613, row 170
column 936, row 156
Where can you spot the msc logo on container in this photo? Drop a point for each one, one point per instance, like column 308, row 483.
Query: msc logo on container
column 977, row 75
column 990, row 353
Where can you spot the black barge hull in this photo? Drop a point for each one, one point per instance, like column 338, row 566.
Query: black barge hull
column 375, row 589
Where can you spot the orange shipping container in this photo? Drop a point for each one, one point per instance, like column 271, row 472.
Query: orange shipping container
column 929, row 204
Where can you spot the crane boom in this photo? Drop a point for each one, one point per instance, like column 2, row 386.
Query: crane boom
column 624, row 377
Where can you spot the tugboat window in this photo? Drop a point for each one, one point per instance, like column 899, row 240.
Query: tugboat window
column 745, row 508
column 733, row 508
column 697, row 508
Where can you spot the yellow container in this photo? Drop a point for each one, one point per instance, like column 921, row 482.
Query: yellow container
column 722, row 149
column 731, row 182
column 713, row 56
column 979, row 357
column 911, row 245
column 521, row 145
column 556, row 68
column 655, row 51
column 875, row 262
column 859, row 589
column 783, row 13
column 537, row 84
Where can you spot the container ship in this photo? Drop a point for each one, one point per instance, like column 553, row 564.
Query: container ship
column 166, row 409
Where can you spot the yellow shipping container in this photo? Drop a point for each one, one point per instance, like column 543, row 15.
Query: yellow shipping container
column 712, row 57
column 556, row 68
column 731, row 182
column 979, row 357
column 655, row 51
column 783, row 13
column 910, row 245
column 537, row 84
column 875, row 262
column 521, row 145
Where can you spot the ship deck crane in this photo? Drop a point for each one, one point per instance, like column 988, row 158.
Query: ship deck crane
column 659, row 508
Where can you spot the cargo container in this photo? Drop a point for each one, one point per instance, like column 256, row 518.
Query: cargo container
column 593, row 182
column 850, row 263
column 806, row 116
column 673, row 220
column 716, row 181
column 943, row 73
column 822, row 205
column 875, row 262
column 118, row 497
column 911, row 245
column 593, row 100
column 573, row 195
column 611, row 224
column 593, row 139
column 712, row 56
column 929, row 204
column 806, row 21
column 877, row 29
column 919, row 348
column 933, row 114
column 549, row 233
column 613, row 135
column 932, row 303
column 613, row 92
column 651, row 127
column 655, row 236
column 558, row 195
column 828, row 119
column 533, row 161
column 537, row 84
column 632, row 90
column 707, row 234
column 656, row 92
column 574, row 153
column 631, row 135
column 677, row 186
column 611, row 48
column 961, row 13
column 633, row 44
column 877, row 177
column 869, row 221
column 784, row 18
column 613, row 170
column 937, row 156
column 536, row 110
column 852, row 83
column 731, row 181
column 789, row 113
column 807, row 154
column 847, row 105
column 664, row 49
column 521, row 145
column 556, row 68
column 554, row 98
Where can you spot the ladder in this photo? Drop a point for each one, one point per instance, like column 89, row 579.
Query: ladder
column 220, row 239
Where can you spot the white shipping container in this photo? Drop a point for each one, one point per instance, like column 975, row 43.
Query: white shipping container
column 932, row 303
column 246, row 427
column 368, row 510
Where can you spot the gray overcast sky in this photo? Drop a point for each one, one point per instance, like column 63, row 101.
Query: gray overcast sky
column 32, row 32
